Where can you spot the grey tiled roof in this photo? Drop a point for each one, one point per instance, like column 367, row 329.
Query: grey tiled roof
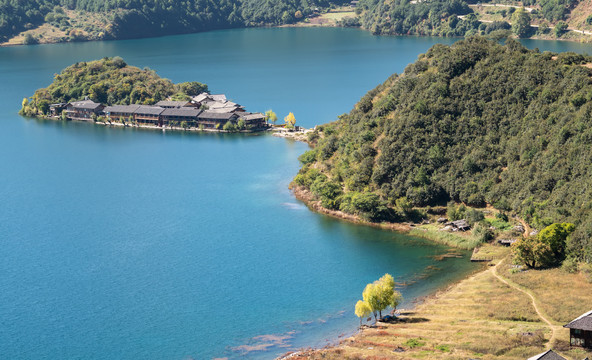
column 128, row 109
column 547, row 355
column 216, row 116
column 584, row 322
column 85, row 104
column 186, row 112
column 149, row 110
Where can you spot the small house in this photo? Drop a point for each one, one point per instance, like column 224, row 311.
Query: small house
column 580, row 331
column 253, row 120
column 56, row 109
column 84, row 110
column 507, row 242
column 547, row 355
column 212, row 119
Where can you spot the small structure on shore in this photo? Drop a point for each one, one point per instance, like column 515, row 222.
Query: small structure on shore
column 580, row 331
column 507, row 242
column 84, row 110
column 459, row 225
column 547, row 355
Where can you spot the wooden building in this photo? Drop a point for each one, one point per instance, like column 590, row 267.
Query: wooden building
column 56, row 109
column 84, row 110
column 148, row 114
column 177, row 116
column 211, row 119
column 117, row 112
column 254, row 120
column 580, row 331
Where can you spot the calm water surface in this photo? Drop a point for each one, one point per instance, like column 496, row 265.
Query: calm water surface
column 127, row 244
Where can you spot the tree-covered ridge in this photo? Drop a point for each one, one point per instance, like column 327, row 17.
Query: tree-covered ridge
column 475, row 122
column 140, row 18
column 109, row 81
column 456, row 18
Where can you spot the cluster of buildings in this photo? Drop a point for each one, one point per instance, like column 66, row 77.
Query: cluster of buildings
column 205, row 111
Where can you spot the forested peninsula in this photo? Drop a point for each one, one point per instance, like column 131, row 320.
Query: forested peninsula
column 111, row 92
column 477, row 123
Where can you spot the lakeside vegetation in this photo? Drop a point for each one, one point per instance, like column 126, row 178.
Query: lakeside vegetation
column 74, row 20
column 109, row 81
column 475, row 123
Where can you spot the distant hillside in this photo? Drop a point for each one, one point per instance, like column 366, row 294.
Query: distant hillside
column 69, row 20
column 549, row 18
column 475, row 122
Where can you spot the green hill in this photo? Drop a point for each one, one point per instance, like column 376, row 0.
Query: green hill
column 475, row 122
column 109, row 81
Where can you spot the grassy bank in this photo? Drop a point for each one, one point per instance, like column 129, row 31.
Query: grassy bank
column 480, row 317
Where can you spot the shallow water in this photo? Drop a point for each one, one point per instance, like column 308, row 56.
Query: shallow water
column 130, row 243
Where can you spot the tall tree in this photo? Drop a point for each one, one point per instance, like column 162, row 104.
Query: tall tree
column 271, row 116
column 290, row 120
column 521, row 23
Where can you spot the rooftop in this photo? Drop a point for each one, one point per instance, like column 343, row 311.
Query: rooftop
column 85, row 104
column 584, row 322
column 128, row 109
column 186, row 112
column 547, row 355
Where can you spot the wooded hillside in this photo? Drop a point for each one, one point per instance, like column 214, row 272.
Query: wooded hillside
column 141, row 18
column 475, row 122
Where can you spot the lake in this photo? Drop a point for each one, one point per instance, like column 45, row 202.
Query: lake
column 130, row 243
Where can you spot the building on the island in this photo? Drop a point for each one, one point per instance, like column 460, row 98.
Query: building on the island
column 218, row 97
column 148, row 114
column 120, row 112
column 176, row 116
column 547, row 355
column 84, row 110
column 174, row 104
column 580, row 331
column 253, row 120
column 211, row 119
column 56, row 109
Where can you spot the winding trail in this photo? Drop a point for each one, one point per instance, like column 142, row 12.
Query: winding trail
column 554, row 328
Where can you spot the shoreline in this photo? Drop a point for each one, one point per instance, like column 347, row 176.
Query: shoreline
column 300, row 24
column 407, row 228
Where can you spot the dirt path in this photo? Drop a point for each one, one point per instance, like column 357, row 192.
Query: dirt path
column 553, row 328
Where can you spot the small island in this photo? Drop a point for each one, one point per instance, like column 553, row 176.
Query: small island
column 110, row 92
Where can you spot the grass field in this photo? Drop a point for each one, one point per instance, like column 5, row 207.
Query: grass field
column 480, row 317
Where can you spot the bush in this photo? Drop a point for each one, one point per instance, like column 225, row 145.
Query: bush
column 474, row 216
column 570, row 265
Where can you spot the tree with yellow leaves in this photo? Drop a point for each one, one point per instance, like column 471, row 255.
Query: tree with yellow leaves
column 290, row 120
column 381, row 294
column 362, row 310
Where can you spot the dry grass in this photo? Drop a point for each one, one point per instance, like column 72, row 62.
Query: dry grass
column 480, row 317
column 462, row 240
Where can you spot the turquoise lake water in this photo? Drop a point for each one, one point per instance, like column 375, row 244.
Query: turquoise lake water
column 128, row 243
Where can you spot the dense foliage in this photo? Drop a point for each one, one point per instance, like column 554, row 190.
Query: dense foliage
column 475, row 122
column 140, row 18
column 455, row 17
column 108, row 81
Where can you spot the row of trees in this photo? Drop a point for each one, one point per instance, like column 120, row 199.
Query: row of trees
column 378, row 296
column 289, row 120
column 475, row 122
